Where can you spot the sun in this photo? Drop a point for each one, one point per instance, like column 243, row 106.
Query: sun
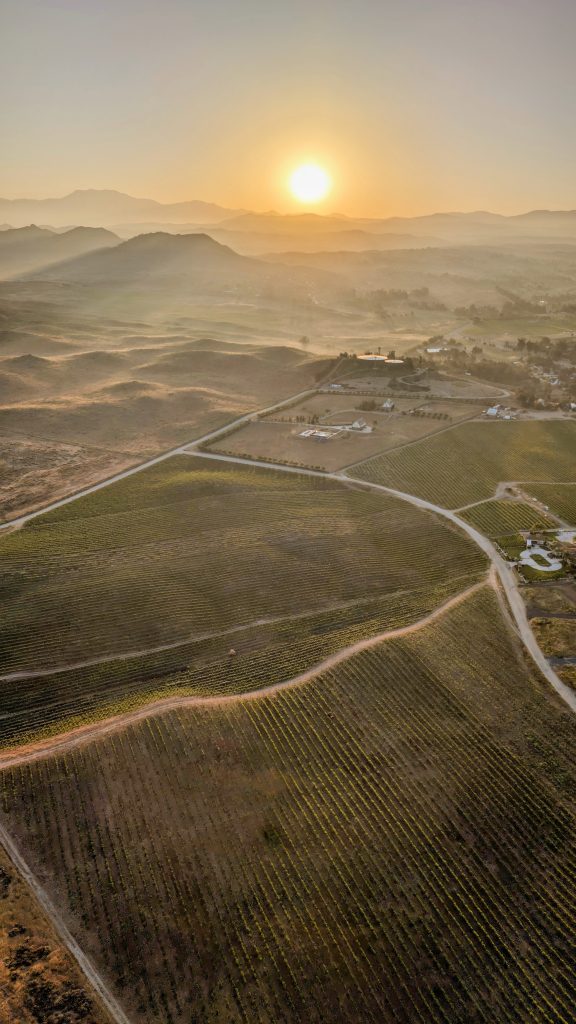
column 310, row 183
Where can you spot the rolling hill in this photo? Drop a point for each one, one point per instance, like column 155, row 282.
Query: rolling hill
column 182, row 265
column 29, row 248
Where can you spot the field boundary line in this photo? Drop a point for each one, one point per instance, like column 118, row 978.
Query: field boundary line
column 86, row 966
column 62, row 742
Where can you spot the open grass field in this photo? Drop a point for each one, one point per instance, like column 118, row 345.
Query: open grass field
column 561, row 499
column 466, row 464
column 512, row 328
column 390, row 843
column 200, row 557
column 495, row 518
column 278, row 439
column 568, row 675
column 558, row 600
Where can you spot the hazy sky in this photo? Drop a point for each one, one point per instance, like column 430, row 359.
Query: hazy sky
column 412, row 105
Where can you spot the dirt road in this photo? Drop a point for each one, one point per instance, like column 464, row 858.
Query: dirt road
column 64, row 742
column 59, row 744
column 505, row 573
column 85, row 964
column 211, row 436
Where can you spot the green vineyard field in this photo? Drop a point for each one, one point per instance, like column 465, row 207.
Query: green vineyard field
column 495, row 518
column 44, row 705
column 391, row 843
column 284, row 568
column 466, row 464
column 560, row 498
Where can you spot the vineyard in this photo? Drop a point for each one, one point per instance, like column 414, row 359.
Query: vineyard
column 390, row 843
column 43, row 705
column 561, row 498
column 187, row 560
column 495, row 518
column 39, row 981
column 465, row 465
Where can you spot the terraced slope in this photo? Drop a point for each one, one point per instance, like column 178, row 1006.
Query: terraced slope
column 380, row 845
column 182, row 562
column 466, row 464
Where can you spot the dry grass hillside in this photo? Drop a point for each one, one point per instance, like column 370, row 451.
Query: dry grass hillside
column 82, row 396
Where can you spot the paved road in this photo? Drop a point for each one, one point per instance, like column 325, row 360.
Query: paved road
column 76, row 737
column 85, row 964
column 508, row 581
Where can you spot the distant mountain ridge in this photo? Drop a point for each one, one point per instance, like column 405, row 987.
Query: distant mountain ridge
column 185, row 264
column 130, row 215
column 106, row 207
column 26, row 249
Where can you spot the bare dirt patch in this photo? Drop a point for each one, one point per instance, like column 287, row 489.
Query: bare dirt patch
column 39, row 981
column 34, row 471
column 556, row 637
column 279, row 439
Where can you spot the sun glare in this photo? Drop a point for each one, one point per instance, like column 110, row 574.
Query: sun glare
column 310, row 183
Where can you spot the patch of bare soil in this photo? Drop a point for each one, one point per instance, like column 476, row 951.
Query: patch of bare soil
column 39, row 981
column 34, row 471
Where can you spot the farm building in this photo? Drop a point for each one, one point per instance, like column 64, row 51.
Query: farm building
column 375, row 357
column 388, row 405
column 318, row 435
column 358, row 426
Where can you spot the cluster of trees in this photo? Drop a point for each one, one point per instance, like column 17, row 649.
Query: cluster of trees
column 515, row 306
column 544, row 349
column 381, row 299
column 426, row 414
column 477, row 313
column 459, row 358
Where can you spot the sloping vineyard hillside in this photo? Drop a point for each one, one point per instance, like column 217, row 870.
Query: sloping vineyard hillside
column 380, row 845
column 466, row 464
column 147, row 585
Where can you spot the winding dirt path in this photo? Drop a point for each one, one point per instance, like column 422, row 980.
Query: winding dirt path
column 173, row 645
column 64, row 742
